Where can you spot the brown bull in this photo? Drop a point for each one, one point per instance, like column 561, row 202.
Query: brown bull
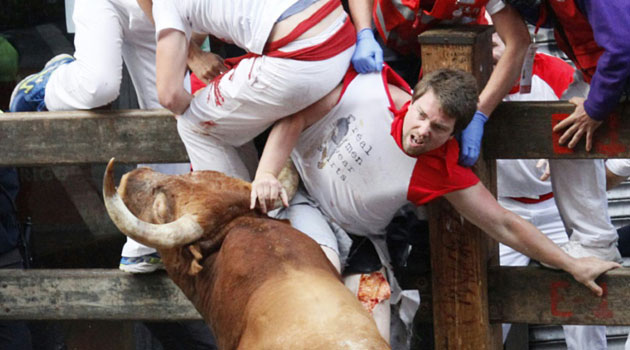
column 258, row 282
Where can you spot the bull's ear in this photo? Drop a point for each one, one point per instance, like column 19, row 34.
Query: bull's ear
column 161, row 210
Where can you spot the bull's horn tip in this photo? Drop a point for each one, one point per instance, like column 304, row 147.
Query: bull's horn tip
column 110, row 164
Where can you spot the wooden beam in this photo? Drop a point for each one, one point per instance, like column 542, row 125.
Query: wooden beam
column 74, row 137
column 91, row 295
column 524, row 130
column 515, row 130
column 516, row 295
column 539, row 295
column 459, row 250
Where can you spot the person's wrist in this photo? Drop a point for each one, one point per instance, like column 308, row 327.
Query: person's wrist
column 365, row 33
column 480, row 116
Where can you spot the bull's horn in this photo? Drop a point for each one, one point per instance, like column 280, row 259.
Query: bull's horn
column 177, row 233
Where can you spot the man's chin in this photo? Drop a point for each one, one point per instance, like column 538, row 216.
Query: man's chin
column 413, row 151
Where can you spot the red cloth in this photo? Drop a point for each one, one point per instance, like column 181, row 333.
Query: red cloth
column 195, row 83
column 436, row 172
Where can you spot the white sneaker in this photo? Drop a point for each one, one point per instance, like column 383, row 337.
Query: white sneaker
column 141, row 264
column 577, row 250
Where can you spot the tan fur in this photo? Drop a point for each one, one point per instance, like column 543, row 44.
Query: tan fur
column 258, row 282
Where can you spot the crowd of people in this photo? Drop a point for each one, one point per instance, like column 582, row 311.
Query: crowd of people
column 364, row 143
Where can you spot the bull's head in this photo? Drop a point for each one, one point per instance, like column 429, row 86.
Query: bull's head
column 171, row 211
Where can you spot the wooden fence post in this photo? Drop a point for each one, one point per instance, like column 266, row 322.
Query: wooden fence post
column 460, row 252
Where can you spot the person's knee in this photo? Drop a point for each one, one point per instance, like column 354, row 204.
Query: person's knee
column 102, row 88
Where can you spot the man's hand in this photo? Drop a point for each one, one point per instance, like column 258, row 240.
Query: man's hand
column 578, row 124
column 471, row 140
column 266, row 188
column 205, row 65
column 368, row 55
column 586, row 270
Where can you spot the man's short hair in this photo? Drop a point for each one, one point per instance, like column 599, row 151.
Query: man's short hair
column 455, row 89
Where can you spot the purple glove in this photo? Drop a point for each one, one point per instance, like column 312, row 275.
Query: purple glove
column 368, row 55
column 471, row 140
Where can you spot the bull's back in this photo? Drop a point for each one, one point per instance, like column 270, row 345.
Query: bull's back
column 276, row 289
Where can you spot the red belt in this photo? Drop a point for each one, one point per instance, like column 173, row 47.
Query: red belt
column 527, row 200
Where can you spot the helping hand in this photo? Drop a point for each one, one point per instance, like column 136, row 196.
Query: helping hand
column 471, row 140
column 577, row 124
column 368, row 55
column 266, row 188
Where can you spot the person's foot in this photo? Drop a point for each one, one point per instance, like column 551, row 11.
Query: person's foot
column 577, row 250
column 29, row 93
column 141, row 264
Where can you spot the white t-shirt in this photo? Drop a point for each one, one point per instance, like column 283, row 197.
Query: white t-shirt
column 349, row 162
column 246, row 23
column 520, row 177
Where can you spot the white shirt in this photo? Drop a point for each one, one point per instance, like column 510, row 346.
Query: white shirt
column 246, row 23
column 349, row 162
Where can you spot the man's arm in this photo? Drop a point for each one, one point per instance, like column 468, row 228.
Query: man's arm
column 170, row 67
column 513, row 31
column 282, row 139
column 368, row 54
column 608, row 19
column 478, row 206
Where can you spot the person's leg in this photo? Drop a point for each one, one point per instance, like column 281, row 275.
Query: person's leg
column 261, row 90
column 585, row 337
column 94, row 78
column 580, row 191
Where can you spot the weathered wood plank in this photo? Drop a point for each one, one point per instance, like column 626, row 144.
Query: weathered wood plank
column 516, row 295
column 539, row 295
column 459, row 250
column 516, row 130
column 74, row 137
column 91, row 294
column 523, row 130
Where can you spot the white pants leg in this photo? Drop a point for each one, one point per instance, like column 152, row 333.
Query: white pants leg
column 93, row 80
column 546, row 217
column 261, row 90
column 580, row 191
column 585, row 337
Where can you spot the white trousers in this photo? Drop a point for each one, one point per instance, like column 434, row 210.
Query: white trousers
column 546, row 217
column 252, row 96
column 580, row 190
column 107, row 31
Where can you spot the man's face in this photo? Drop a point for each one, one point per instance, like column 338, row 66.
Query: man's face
column 425, row 127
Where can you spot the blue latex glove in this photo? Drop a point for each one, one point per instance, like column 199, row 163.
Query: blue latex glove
column 471, row 140
column 368, row 55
